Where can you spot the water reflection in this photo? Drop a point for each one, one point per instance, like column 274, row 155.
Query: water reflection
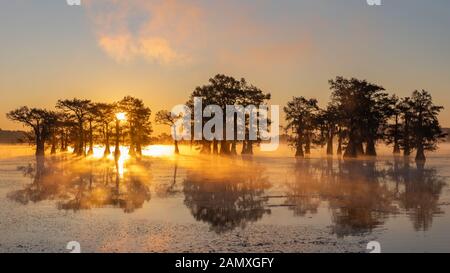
column 226, row 197
column 358, row 195
column 362, row 195
column 77, row 184
column 418, row 192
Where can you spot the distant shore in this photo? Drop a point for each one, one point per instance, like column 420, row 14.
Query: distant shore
column 12, row 137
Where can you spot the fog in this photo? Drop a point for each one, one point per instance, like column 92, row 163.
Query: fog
column 345, row 202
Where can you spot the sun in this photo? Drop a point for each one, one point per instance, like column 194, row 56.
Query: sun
column 121, row 116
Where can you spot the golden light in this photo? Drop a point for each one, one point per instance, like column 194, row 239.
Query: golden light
column 158, row 150
column 121, row 116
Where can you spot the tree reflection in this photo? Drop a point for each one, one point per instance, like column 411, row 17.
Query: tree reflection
column 358, row 195
column 77, row 184
column 362, row 194
column 226, row 198
column 364, row 199
column 419, row 192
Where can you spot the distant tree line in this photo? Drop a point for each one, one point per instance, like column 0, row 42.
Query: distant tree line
column 360, row 115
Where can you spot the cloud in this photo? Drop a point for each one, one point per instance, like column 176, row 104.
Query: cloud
column 157, row 31
column 174, row 32
column 124, row 48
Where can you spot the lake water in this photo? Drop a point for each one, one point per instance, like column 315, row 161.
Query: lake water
column 266, row 203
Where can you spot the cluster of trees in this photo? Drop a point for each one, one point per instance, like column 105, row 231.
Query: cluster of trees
column 361, row 114
column 80, row 123
column 223, row 91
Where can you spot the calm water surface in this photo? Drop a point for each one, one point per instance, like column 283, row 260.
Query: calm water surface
column 403, row 206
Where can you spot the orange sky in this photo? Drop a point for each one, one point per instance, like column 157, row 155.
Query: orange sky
column 161, row 50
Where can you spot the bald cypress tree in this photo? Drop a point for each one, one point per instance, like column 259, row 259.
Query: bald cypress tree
column 79, row 110
column 425, row 125
column 393, row 129
column 300, row 116
column 362, row 109
column 40, row 121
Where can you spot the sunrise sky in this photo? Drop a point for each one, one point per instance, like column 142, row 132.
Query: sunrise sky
column 161, row 50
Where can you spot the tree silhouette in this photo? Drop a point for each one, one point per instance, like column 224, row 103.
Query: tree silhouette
column 300, row 116
column 362, row 111
column 165, row 117
column 393, row 130
column 250, row 95
column 328, row 124
column 226, row 91
column 41, row 121
column 406, row 133
column 139, row 123
column 79, row 109
column 425, row 124
column 105, row 117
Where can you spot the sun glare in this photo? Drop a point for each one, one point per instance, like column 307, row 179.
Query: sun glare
column 158, row 151
column 152, row 151
column 121, row 116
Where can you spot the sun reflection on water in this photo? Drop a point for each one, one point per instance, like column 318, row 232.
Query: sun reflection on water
column 158, row 151
column 149, row 151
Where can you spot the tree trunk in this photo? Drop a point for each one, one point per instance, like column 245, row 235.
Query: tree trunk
column 299, row 150
column 360, row 148
column 80, row 150
column 370, row 149
column 420, row 155
column 40, row 145
column 132, row 150
column 350, row 150
column 177, row 151
column 244, row 147
column 407, row 145
column 339, row 149
column 224, row 147
column 91, row 140
column 396, row 137
column 308, row 144
column 396, row 148
column 63, row 142
column 233, row 148
column 75, row 148
column 54, row 144
column 117, row 148
column 330, row 145
column 249, row 147
column 107, row 146
column 206, row 147
column 215, row 147
column 139, row 148
column 407, row 152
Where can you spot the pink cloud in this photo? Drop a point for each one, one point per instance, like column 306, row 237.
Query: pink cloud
column 171, row 32
column 154, row 30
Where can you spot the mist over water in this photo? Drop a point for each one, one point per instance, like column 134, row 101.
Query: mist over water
column 268, row 202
